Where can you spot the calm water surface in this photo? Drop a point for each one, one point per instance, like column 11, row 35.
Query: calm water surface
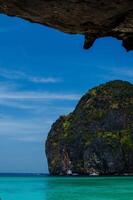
column 69, row 188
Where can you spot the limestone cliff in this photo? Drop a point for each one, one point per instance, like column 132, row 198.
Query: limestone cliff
column 97, row 137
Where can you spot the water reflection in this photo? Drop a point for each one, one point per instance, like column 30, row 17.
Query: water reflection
column 95, row 188
column 66, row 188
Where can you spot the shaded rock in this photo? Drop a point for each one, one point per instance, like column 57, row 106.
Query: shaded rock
column 92, row 18
column 97, row 137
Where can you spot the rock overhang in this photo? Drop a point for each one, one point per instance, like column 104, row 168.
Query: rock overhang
column 91, row 18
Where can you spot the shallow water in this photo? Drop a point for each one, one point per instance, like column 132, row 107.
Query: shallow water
column 69, row 188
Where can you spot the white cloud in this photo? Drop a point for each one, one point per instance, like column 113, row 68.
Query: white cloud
column 18, row 126
column 17, row 104
column 37, row 107
column 30, row 127
column 36, row 110
column 38, row 95
column 44, row 80
column 32, row 123
column 11, row 74
column 123, row 71
column 19, row 75
column 35, row 129
column 8, row 91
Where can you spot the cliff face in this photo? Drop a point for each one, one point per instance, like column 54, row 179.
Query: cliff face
column 97, row 137
column 92, row 18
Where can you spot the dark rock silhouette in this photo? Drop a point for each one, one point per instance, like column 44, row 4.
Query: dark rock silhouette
column 92, row 18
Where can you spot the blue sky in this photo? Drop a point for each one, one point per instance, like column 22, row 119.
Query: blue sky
column 43, row 73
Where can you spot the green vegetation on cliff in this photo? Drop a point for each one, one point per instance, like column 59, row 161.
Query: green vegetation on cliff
column 98, row 136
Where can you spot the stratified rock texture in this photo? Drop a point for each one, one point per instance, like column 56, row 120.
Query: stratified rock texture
column 97, row 137
column 92, row 18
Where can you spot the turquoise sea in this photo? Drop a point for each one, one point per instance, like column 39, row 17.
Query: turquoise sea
column 66, row 188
